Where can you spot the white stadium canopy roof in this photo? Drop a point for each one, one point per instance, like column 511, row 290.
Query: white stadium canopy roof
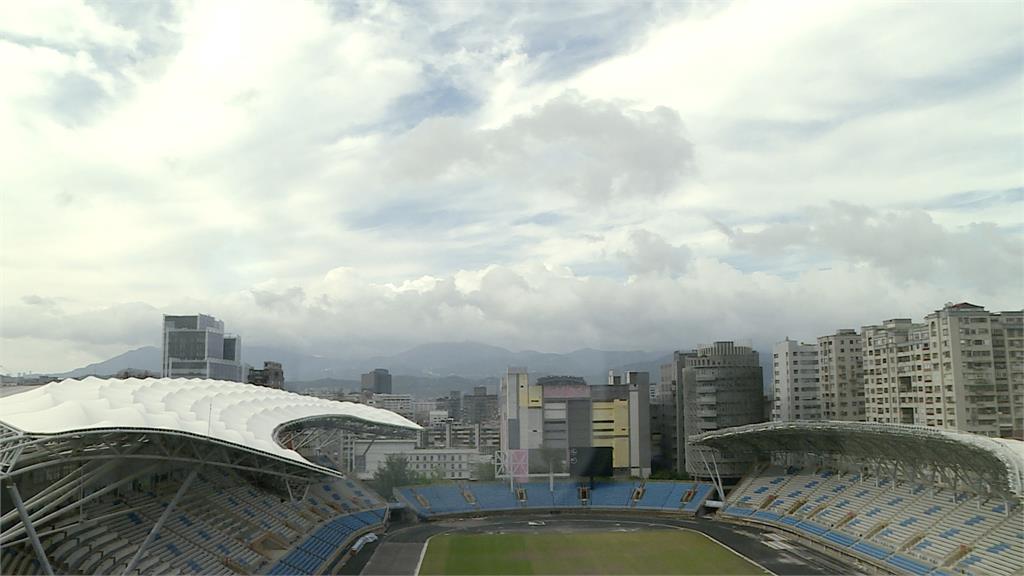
column 997, row 462
column 231, row 414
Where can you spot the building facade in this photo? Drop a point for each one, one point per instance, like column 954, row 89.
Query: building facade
column 555, row 413
column 961, row 369
column 479, row 406
column 271, row 375
column 367, row 456
column 197, row 347
column 398, row 403
column 841, row 375
column 447, row 433
column 795, row 382
column 721, row 386
column 896, row 353
column 376, row 381
column 519, row 408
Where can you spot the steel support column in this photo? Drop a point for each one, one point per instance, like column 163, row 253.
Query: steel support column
column 40, row 553
column 160, row 521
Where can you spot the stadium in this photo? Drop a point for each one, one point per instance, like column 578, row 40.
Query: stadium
column 166, row 476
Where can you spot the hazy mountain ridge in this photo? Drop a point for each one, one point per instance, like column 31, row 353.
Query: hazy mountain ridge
column 459, row 365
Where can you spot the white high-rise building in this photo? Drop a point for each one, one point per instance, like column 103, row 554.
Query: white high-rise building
column 797, row 391
column 961, row 369
column 841, row 375
column 197, row 347
column 977, row 364
column 896, row 354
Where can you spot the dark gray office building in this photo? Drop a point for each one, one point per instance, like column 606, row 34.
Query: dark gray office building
column 377, row 381
column 197, row 347
column 720, row 386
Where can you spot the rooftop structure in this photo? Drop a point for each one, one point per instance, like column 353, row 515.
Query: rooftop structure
column 239, row 417
column 85, row 450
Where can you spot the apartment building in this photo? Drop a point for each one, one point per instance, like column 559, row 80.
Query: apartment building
column 795, row 382
column 896, row 354
column 841, row 375
column 961, row 369
column 448, row 433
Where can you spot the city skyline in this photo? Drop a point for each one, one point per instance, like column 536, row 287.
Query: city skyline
column 362, row 180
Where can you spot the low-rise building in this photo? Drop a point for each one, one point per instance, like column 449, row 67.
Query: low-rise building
column 398, row 403
column 271, row 375
column 443, row 463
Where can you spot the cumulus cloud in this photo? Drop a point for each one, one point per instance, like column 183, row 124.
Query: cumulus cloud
column 592, row 149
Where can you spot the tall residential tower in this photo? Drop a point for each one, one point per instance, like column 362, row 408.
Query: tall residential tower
column 797, row 391
column 961, row 369
column 841, row 375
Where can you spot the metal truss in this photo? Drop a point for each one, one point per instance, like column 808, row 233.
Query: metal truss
column 12, row 442
column 30, row 529
column 38, row 452
column 299, row 433
column 52, row 504
column 885, row 450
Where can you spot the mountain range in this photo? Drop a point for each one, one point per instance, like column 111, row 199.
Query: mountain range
column 442, row 366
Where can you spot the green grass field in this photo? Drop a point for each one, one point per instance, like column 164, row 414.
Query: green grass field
column 648, row 552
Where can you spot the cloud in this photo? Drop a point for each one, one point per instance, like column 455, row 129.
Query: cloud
column 36, row 300
column 524, row 306
column 363, row 177
column 909, row 245
column 590, row 149
column 130, row 324
column 63, row 23
column 649, row 252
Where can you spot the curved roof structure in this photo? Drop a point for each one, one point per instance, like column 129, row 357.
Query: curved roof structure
column 238, row 415
column 999, row 462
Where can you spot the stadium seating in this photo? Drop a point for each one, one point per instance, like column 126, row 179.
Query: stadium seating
column 612, row 494
column 215, row 528
column 908, row 527
column 494, row 496
column 445, row 499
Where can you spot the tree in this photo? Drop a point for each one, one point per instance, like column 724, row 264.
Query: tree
column 484, row 471
column 395, row 472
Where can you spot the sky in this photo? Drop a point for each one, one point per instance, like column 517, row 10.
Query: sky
column 347, row 179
